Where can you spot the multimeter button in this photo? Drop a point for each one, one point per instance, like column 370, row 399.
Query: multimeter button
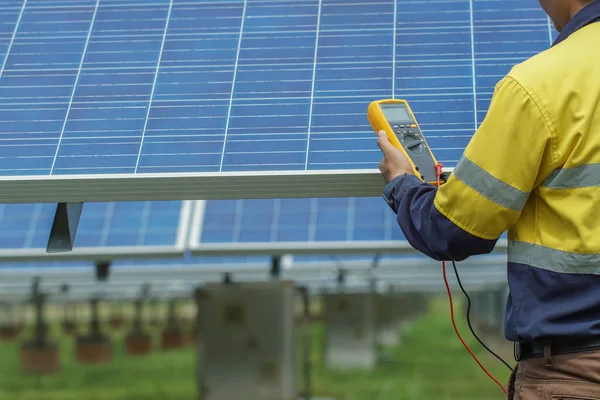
column 396, row 127
column 413, row 126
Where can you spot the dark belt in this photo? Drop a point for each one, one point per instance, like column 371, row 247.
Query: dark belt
column 524, row 351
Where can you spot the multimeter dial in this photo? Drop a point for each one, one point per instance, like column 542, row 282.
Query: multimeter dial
column 413, row 143
column 410, row 139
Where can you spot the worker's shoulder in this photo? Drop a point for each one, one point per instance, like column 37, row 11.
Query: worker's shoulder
column 576, row 56
column 538, row 71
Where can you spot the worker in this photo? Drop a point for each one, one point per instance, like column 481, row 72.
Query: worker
column 533, row 169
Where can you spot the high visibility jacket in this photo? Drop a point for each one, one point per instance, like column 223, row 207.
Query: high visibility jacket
column 532, row 169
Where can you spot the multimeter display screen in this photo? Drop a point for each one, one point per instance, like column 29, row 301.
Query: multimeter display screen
column 396, row 113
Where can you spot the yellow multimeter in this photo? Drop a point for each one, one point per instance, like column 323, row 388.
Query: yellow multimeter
column 397, row 119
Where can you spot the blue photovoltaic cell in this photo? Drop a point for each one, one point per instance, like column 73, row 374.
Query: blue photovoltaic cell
column 126, row 86
column 438, row 45
column 27, row 226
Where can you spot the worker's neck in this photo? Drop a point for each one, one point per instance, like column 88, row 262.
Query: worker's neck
column 571, row 10
column 577, row 6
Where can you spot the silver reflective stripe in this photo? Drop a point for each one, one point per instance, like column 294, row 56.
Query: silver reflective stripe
column 552, row 259
column 489, row 186
column 576, row 177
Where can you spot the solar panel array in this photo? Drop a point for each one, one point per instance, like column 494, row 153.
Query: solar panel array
column 438, row 46
column 123, row 86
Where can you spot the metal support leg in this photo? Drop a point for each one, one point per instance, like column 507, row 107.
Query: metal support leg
column 275, row 267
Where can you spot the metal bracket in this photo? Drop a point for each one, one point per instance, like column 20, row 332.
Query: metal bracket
column 102, row 270
column 275, row 267
column 64, row 227
column 341, row 277
column 138, row 315
column 227, row 279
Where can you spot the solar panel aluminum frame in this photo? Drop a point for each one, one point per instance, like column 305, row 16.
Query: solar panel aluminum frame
column 192, row 186
column 312, row 248
column 110, row 253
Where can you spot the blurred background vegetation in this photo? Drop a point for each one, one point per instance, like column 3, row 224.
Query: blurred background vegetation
column 430, row 363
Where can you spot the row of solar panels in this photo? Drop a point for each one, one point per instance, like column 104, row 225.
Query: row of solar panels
column 205, row 232
column 116, row 87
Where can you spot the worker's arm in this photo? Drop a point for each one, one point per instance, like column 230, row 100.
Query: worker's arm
column 504, row 161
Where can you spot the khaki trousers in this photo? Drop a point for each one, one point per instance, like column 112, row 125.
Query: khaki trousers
column 557, row 377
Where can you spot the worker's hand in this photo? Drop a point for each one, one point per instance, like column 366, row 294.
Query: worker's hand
column 394, row 162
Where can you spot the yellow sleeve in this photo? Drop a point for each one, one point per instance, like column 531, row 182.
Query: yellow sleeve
column 506, row 159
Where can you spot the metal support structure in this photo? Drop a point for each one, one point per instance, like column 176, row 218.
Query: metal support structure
column 95, row 347
column 191, row 186
column 39, row 355
column 275, row 267
column 341, row 277
column 102, row 270
column 95, row 331
column 172, row 335
column 172, row 320
column 227, row 279
column 64, row 227
column 65, row 223
column 138, row 315
column 40, row 327
column 69, row 317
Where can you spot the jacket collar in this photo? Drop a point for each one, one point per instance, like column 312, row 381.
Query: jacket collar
column 587, row 15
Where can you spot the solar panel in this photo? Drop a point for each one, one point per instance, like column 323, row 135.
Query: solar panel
column 438, row 46
column 238, row 98
column 342, row 226
column 106, row 231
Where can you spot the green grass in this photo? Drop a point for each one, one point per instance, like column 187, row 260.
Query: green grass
column 430, row 364
column 160, row 375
